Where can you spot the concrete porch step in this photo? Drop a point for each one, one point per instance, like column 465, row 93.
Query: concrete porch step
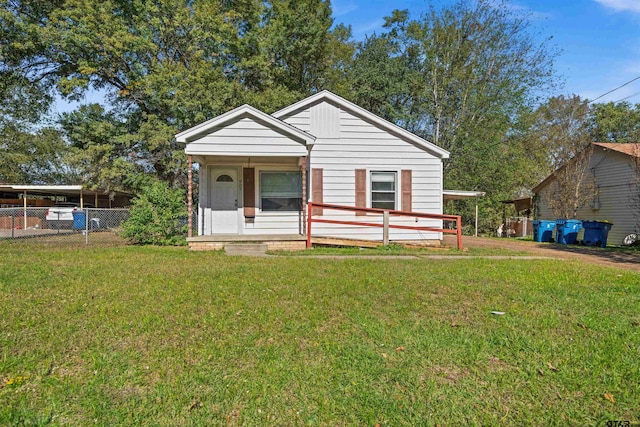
column 246, row 249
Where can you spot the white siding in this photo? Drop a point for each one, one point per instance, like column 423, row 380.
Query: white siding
column 344, row 143
column 325, row 121
column 301, row 120
column 364, row 146
column 246, row 137
column 616, row 181
column 264, row 222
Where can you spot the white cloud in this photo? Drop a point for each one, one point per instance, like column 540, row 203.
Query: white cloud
column 621, row 5
column 341, row 8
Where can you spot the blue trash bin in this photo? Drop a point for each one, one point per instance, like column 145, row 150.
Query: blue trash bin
column 79, row 220
column 567, row 231
column 596, row 233
column 543, row 230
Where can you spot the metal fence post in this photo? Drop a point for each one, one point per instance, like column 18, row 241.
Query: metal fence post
column 13, row 223
column 86, row 226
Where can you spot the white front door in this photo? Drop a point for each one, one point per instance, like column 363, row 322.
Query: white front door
column 224, row 201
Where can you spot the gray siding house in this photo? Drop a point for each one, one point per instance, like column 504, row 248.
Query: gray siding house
column 614, row 173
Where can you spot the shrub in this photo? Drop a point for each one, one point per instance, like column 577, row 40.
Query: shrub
column 157, row 217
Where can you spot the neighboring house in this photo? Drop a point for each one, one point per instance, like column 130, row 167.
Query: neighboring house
column 256, row 171
column 614, row 181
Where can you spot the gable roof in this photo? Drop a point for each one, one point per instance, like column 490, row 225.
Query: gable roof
column 245, row 111
column 630, row 148
column 368, row 116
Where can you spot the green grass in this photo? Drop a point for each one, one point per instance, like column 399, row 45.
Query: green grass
column 163, row 336
column 400, row 250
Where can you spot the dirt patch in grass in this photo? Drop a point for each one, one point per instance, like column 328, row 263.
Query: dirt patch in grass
column 591, row 255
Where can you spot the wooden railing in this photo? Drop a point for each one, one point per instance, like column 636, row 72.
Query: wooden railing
column 385, row 222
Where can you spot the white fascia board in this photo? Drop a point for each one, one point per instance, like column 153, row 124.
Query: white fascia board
column 195, row 150
column 367, row 115
column 461, row 194
column 47, row 187
column 246, row 110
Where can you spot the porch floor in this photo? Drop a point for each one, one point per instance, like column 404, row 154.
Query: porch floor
column 248, row 238
column 286, row 242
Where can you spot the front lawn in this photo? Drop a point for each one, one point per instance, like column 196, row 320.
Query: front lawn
column 164, row 336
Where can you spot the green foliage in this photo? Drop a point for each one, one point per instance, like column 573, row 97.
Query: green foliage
column 157, row 217
column 615, row 122
column 464, row 77
column 35, row 157
column 163, row 66
column 561, row 128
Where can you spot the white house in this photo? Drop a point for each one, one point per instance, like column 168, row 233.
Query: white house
column 613, row 170
column 257, row 172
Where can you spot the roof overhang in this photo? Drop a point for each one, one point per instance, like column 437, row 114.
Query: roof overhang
column 334, row 99
column 629, row 148
column 56, row 190
column 461, row 194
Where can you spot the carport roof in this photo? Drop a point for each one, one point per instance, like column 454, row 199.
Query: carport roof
column 461, row 194
column 57, row 190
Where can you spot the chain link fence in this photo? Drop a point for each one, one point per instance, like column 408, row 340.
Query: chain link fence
column 62, row 223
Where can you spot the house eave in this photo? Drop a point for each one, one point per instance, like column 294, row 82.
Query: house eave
column 244, row 111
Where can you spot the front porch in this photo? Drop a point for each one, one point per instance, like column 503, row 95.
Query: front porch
column 252, row 178
column 273, row 242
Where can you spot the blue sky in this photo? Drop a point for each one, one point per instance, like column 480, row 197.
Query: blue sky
column 598, row 40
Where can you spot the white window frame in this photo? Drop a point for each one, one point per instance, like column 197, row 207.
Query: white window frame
column 370, row 172
column 259, row 188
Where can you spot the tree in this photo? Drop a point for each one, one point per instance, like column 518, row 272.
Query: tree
column 167, row 65
column 471, row 70
column 563, row 127
column 615, row 122
column 101, row 151
column 464, row 77
column 32, row 156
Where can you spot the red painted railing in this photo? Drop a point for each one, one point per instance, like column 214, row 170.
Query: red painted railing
column 311, row 220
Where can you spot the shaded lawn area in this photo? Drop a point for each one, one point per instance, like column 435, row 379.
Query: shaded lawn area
column 163, row 336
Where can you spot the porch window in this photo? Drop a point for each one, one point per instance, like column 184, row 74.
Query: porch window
column 383, row 190
column 281, row 191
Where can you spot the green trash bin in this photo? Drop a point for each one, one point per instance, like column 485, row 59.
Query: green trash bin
column 596, row 233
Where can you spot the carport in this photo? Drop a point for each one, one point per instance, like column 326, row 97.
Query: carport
column 462, row 194
column 17, row 195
